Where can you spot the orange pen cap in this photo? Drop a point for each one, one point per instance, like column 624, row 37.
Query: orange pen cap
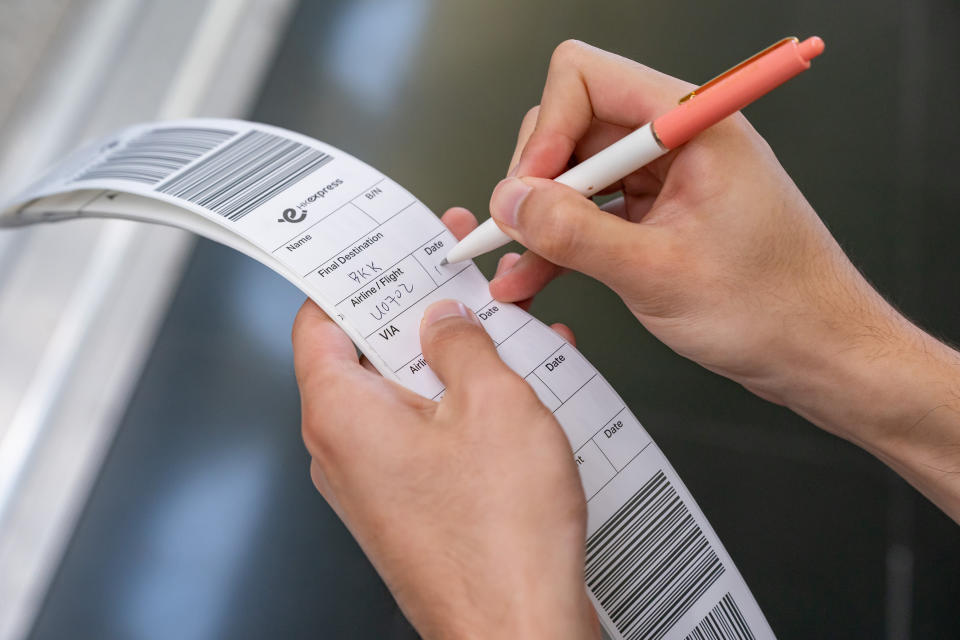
column 735, row 88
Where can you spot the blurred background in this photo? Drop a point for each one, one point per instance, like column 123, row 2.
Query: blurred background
column 152, row 479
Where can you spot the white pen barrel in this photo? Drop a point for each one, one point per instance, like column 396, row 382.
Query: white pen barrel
column 620, row 159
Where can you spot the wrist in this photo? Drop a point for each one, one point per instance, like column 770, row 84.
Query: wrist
column 877, row 380
column 548, row 614
column 545, row 611
column 563, row 615
column 861, row 376
column 870, row 388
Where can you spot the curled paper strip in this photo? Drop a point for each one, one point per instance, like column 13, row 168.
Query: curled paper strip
column 368, row 253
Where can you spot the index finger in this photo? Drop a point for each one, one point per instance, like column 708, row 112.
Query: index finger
column 584, row 83
column 320, row 347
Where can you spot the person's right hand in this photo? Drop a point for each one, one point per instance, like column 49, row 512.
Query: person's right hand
column 715, row 250
column 712, row 246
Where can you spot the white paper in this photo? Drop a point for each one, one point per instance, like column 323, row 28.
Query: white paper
column 369, row 254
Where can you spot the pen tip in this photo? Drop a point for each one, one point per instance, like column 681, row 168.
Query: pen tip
column 444, row 262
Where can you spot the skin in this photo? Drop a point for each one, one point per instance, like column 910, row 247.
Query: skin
column 465, row 505
column 452, row 492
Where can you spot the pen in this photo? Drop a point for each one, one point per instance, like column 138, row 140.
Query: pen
column 705, row 106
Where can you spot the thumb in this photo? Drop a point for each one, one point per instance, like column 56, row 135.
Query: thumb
column 456, row 347
column 556, row 222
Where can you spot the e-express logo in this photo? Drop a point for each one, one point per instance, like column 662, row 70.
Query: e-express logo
column 299, row 214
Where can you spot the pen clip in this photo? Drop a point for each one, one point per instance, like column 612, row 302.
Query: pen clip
column 736, row 68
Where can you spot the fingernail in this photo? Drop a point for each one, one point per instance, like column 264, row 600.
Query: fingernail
column 506, row 200
column 446, row 309
column 514, row 171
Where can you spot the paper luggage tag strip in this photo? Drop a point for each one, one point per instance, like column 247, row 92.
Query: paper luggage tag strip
column 368, row 253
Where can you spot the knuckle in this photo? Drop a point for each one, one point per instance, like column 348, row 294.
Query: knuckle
column 735, row 127
column 738, row 123
column 319, row 436
column 567, row 51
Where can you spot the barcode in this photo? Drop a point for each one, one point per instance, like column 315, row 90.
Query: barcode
column 156, row 154
column 649, row 562
column 724, row 622
column 245, row 173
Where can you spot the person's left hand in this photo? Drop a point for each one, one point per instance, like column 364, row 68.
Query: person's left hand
column 470, row 508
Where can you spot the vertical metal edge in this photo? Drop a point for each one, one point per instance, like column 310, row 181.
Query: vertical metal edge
column 74, row 402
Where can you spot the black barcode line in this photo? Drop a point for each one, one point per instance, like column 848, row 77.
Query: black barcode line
column 698, row 579
column 650, row 562
column 245, row 173
column 635, row 536
column 630, row 535
column 660, row 593
column 612, row 527
column 723, row 622
column 228, row 159
column 236, row 168
column 156, row 154
column 655, row 548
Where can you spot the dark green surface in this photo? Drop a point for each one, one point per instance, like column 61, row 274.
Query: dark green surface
column 831, row 543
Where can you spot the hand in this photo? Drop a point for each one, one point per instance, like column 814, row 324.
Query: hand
column 706, row 244
column 470, row 509
column 717, row 253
